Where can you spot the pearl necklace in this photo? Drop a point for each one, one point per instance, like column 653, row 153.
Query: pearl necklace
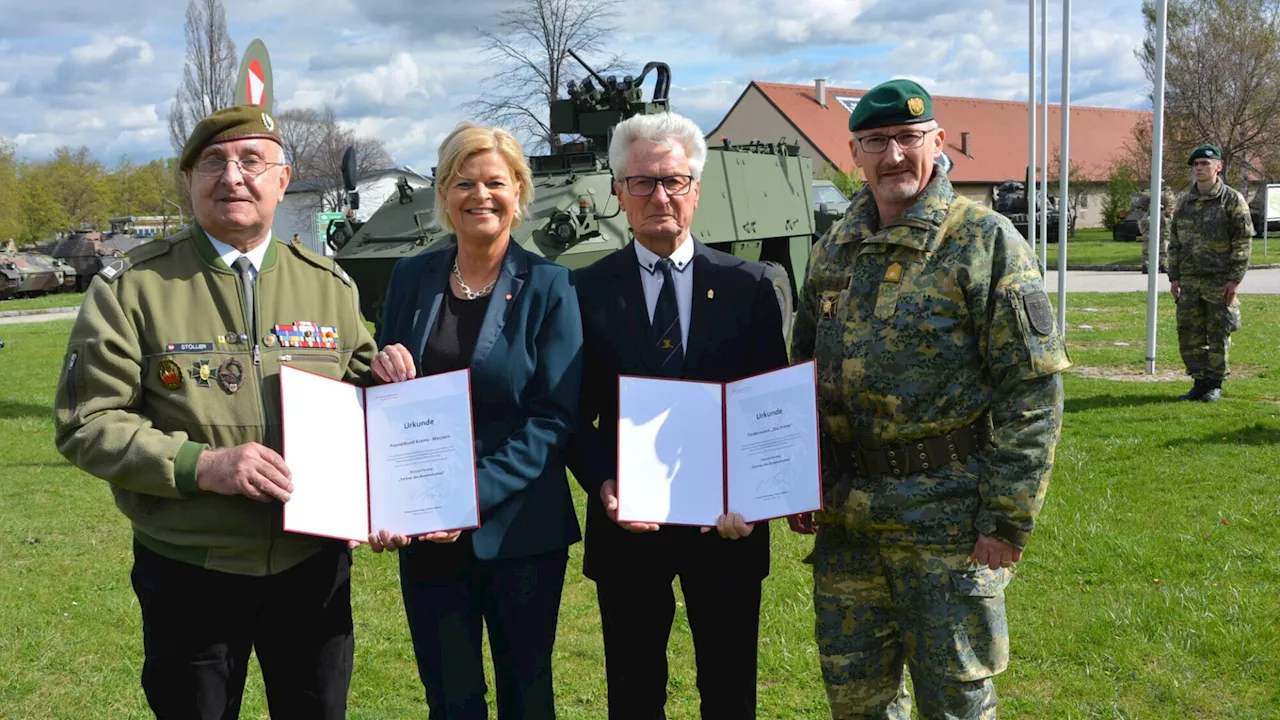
column 471, row 294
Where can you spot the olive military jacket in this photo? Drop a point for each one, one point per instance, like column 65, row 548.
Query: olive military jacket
column 1211, row 235
column 928, row 325
column 165, row 361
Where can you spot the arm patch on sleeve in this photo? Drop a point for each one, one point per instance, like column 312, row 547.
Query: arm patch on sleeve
column 1039, row 312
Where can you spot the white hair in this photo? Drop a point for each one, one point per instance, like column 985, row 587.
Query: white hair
column 661, row 129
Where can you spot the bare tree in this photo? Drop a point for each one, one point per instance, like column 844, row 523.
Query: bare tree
column 302, row 131
column 209, row 74
column 528, row 49
column 314, row 143
column 1222, row 77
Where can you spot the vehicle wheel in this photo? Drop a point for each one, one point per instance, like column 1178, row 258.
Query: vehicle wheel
column 782, row 290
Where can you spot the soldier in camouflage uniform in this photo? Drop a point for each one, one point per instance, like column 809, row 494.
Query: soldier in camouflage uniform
column 1210, row 240
column 941, row 404
column 1167, row 201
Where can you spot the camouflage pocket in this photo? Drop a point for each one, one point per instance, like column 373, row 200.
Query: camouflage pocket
column 981, row 582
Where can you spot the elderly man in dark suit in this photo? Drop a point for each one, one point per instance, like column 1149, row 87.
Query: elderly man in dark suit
column 668, row 306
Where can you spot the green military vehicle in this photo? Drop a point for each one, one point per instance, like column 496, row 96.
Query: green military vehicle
column 27, row 274
column 755, row 202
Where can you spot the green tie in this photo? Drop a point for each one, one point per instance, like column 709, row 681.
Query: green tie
column 243, row 267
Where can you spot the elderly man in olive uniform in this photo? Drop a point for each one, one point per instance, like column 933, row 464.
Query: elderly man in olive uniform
column 941, row 404
column 170, row 393
column 1210, row 240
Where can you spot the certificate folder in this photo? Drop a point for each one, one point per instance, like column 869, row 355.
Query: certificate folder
column 399, row 457
column 690, row 451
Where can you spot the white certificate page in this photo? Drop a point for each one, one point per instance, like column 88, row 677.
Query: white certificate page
column 670, row 451
column 422, row 468
column 772, row 438
column 324, row 448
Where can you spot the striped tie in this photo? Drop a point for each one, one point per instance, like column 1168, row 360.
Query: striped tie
column 666, row 333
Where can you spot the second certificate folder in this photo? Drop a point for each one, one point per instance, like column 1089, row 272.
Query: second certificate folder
column 399, row 457
column 689, row 451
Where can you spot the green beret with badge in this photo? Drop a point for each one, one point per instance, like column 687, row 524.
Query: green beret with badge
column 896, row 102
column 1210, row 152
column 238, row 122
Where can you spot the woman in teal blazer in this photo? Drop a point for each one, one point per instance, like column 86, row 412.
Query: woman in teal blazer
column 487, row 304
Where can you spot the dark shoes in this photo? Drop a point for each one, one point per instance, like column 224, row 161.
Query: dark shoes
column 1204, row 391
column 1195, row 393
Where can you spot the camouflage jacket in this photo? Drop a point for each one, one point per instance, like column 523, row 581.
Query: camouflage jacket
column 928, row 325
column 1211, row 235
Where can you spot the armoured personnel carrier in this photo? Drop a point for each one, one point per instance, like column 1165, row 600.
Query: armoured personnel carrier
column 1011, row 201
column 89, row 252
column 27, row 274
column 755, row 201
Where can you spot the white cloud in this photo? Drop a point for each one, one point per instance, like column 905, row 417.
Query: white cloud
column 402, row 70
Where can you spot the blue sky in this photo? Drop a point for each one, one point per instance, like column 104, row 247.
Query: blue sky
column 104, row 74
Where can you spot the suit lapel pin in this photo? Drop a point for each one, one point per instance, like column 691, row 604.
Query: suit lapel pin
column 711, row 294
column 508, row 296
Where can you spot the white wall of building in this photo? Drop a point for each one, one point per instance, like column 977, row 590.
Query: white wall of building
column 297, row 213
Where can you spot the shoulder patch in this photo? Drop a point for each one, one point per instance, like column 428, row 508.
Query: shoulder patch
column 320, row 261
column 1039, row 312
column 137, row 256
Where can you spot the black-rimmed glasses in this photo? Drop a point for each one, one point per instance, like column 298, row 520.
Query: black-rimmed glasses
column 643, row 185
column 879, row 143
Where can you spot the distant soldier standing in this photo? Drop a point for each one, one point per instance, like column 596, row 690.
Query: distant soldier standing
column 1210, row 241
column 1167, row 202
column 941, row 404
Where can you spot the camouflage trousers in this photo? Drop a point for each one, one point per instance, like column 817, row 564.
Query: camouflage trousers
column 1205, row 324
column 886, row 606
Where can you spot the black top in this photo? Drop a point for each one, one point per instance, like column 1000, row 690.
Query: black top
column 450, row 344
column 452, row 339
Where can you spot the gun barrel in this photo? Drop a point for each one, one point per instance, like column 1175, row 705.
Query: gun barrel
column 599, row 79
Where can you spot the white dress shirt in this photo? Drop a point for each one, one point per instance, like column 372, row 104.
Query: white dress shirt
column 651, row 281
column 230, row 254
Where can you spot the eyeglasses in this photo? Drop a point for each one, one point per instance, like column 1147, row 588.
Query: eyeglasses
column 880, row 143
column 213, row 167
column 643, row 186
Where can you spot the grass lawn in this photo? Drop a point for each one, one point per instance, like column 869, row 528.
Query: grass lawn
column 67, row 300
column 1149, row 589
column 1095, row 247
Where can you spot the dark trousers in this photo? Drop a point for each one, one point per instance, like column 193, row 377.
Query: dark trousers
column 199, row 625
column 449, row 595
column 724, row 616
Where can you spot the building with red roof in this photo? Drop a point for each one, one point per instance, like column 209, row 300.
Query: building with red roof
column 986, row 139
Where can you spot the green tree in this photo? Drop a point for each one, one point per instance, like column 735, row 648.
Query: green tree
column 10, row 193
column 40, row 213
column 78, row 183
column 1121, row 185
column 847, row 182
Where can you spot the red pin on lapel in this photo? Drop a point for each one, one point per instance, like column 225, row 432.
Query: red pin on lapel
column 508, row 296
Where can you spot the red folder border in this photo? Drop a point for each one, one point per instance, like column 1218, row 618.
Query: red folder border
column 367, row 485
column 724, row 440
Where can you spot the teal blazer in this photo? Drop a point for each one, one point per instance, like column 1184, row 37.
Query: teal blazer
column 525, row 373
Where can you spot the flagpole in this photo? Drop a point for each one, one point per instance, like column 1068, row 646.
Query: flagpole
column 1155, row 213
column 1063, row 164
column 1044, row 134
column 1031, row 131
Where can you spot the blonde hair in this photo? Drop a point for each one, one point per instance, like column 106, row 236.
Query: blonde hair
column 468, row 139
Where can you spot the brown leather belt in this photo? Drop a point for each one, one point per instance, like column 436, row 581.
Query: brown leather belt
column 905, row 458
